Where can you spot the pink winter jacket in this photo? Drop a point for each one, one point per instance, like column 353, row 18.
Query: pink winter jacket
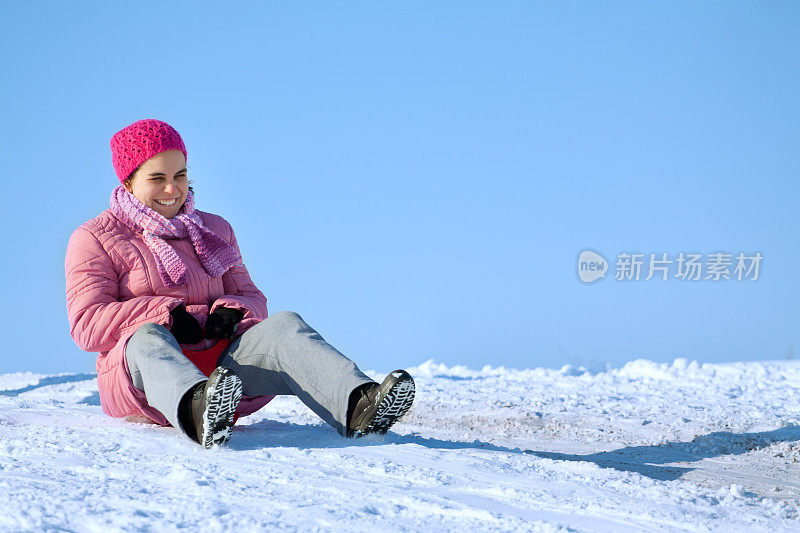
column 113, row 287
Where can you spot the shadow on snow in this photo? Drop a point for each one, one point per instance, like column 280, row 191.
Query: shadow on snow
column 272, row 434
column 645, row 460
column 51, row 380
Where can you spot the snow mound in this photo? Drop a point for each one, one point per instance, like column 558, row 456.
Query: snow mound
column 649, row 446
column 430, row 369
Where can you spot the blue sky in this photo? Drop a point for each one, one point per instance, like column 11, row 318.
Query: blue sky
column 417, row 179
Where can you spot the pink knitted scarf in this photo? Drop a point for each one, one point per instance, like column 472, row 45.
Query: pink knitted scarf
column 215, row 254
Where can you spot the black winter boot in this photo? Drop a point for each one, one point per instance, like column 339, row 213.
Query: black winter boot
column 377, row 407
column 213, row 406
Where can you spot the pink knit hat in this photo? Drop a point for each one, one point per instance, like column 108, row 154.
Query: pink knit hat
column 135, row 144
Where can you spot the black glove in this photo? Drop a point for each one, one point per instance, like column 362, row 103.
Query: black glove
column 222, row 323
column 185, row 327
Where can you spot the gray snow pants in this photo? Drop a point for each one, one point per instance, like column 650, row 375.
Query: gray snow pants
column 279, row 355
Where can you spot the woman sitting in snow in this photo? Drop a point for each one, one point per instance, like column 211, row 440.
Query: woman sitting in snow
column 159, row 288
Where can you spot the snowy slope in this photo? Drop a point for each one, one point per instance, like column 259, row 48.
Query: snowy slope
column 649, row 446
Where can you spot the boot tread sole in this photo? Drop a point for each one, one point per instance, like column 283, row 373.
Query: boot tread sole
column 394, row 405
column 222, row 399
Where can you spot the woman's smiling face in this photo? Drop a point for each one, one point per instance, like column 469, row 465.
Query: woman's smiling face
column 161, row 183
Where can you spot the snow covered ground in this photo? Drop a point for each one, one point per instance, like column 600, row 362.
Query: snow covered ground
column 648, row 446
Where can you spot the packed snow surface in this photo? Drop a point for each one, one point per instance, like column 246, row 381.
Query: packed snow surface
column 664, row 447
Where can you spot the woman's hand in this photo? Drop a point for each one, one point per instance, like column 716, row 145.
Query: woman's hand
column 222, row 323
column 185, row 327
